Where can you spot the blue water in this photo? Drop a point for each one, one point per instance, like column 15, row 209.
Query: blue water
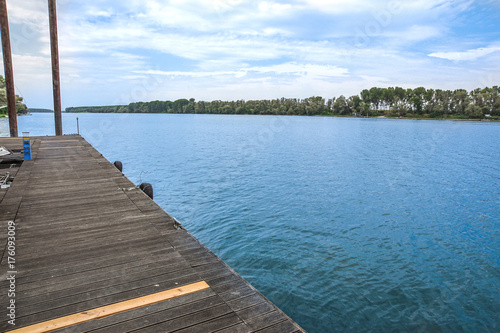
column 346, row 224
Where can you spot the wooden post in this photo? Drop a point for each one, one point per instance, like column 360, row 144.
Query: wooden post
column 54, row 50
column 9, row 73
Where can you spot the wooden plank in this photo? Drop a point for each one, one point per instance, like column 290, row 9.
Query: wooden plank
column 79, row 284
column 145, row 316
column 107, row 262
column 228, row 285
column 187, row 321
column 240, row 328
column 174, row 315
column 61, row 286
column 236, row 293
column 88, row 238
column 78, row 220
column 111, row 309
column 216, row 272
column 246, row 302
column 78, row 254
column 74, row 304
column 266, row 320
column 214, row 325
column 70, row 234
column 282, row 327
column 255, row 311
column 86, row 265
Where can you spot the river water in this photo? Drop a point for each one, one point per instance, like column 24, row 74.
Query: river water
column 346, row 224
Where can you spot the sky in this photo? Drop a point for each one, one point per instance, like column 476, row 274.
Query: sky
column 117, row 52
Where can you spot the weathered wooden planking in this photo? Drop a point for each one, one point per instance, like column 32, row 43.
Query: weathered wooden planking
column 88, row 238
column 169, row 309
column 112, row 309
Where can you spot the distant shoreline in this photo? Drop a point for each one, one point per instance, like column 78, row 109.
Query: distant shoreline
column 418, row 118
column 37, row 110
column 409, row 117
column 392, row 102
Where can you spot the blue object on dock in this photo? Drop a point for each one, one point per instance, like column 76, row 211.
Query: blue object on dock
column 27, row 146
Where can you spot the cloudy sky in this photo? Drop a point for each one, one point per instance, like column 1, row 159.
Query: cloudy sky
column 121, row 51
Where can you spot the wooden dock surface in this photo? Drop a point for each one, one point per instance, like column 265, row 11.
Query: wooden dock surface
column 88, row 241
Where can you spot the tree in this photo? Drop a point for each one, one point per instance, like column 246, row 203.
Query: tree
column 179, row 105
column 376, row 96
column 365, row 96
column 429, row 101
column 388, row 97
column 474, row 111
column 461, row 100
column 442, row 102
column 20, row 106
column 400, row 105
column 495, row 111
column 340, row 106
column 354, row 103
column 417, row 99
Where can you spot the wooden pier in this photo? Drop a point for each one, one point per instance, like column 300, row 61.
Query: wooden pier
column 89, row 251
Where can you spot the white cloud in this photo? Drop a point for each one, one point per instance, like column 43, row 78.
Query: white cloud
column 274, row 9
column 31, row 12
column 418, row 33
column 374, row 7
column 189, row 74
column 294, row 69
column 99, row 13
column 468, row 55
column 309, row 70
column 339, row 6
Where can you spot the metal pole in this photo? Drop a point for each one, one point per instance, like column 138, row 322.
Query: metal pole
column 54, row 49
column 9, row 73
column 77, row 126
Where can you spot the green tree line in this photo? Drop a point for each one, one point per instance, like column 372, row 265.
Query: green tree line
column 391, row 102
column 20, row 106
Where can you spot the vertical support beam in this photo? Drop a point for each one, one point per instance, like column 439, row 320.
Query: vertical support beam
column 54, row 50
column 9, row 73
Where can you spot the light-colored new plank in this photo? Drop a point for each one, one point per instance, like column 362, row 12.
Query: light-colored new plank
column 111, row 309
